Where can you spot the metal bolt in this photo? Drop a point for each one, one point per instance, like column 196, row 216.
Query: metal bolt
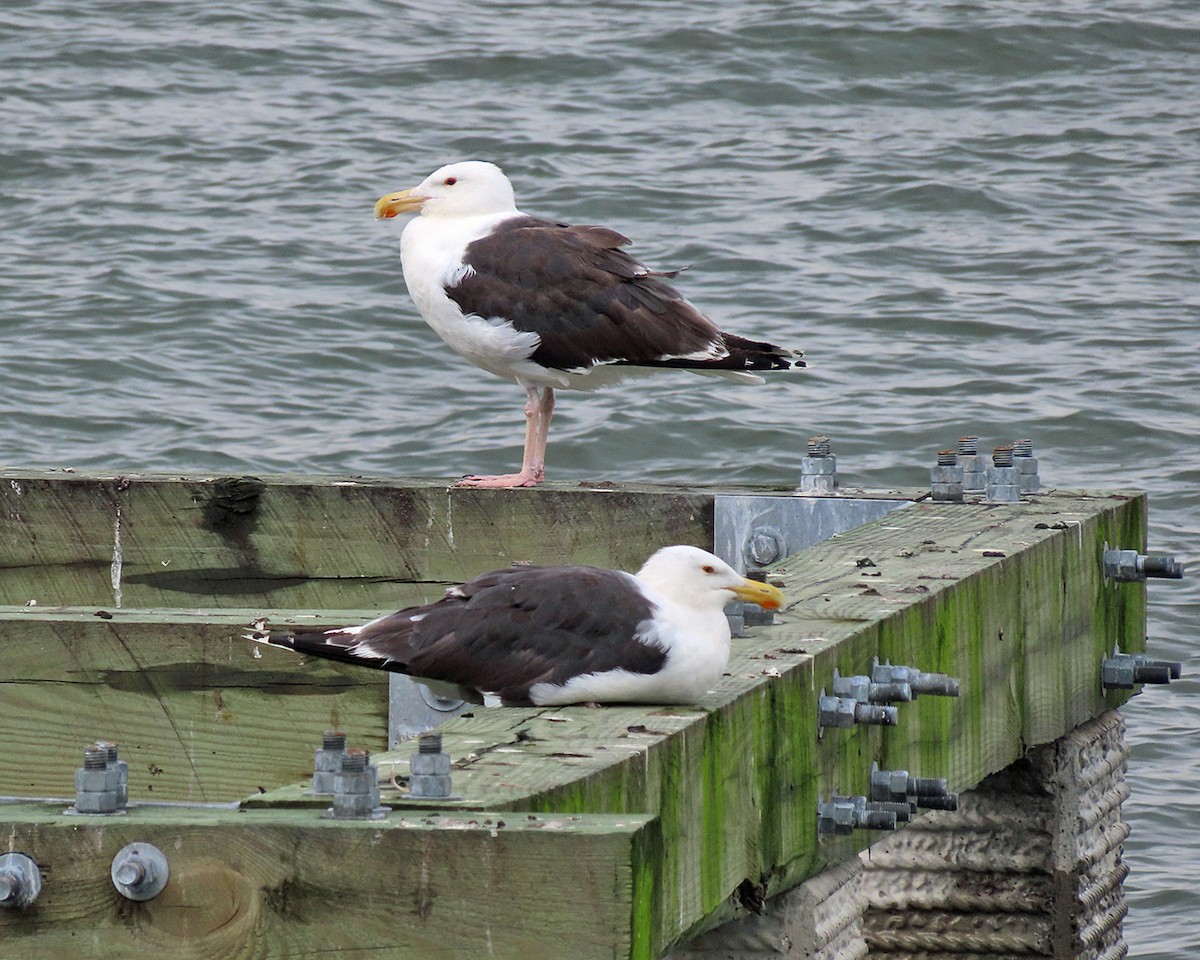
column 1128, row 566
column 948, row 802
column 946, row 479
column 439, row 703
column 934, row 684
column 902, row 811
column 122, row 769
column 328, row 761
column 765, row 546
column 1122, row 671
column 355, row 761
column 139, row 871
column 896, row 786
column 429, row 742
column 333, row 740
column 20, row 881
column 1165, row 568
column 429, row 769
column 97, row 782
column 841, row 815
column 1027, row 466
column 865, row 690
column 356, row 789
column 818, row 471
column 1003, row 480
column 846, row 712
column 752, row 614
column 968, row 459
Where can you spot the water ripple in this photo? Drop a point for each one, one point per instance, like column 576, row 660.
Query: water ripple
column 973, row 217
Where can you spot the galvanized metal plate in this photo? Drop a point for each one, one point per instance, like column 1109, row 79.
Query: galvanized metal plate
column 757, row 531
column 413, row 708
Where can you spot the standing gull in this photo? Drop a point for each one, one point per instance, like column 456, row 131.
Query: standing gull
column 534, row 636
column 548, row 304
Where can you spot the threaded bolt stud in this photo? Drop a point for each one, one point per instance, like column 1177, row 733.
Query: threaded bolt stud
column 429, row 742
column 333, row 740
column 355, row 760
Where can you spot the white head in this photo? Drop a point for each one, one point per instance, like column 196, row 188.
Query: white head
column 696, row 578
column 467, row 189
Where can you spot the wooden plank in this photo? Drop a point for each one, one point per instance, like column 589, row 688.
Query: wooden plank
column 281, row 543
column 198, row 714
column 256, row 886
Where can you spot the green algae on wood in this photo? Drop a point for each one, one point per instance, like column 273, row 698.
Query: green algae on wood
column 1009, row 598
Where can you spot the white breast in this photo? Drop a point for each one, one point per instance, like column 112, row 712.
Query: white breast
column 431, row 252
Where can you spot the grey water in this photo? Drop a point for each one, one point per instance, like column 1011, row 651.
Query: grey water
column 974, row 217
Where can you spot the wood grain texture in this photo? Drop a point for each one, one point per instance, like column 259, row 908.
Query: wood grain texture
column 308, row 543
column 200, row 713
column 266, row 885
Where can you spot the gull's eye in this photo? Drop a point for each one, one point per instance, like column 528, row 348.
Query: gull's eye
column 450, row 181
column 709, row 568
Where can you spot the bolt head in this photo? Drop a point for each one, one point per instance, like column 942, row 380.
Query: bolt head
column 836, row 711
column 100, row 802
column 22, row 880
column 356, row 806
column 765, row 547
column 818, row 484
column 429, row 786
column 1122, row 565
column 105, row 780
column 358, row 782
column 818, row 466
column 430, row 764
column 946, row 492
column 327, row 761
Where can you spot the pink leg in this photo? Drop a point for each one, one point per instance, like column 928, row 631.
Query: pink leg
column 539, row 408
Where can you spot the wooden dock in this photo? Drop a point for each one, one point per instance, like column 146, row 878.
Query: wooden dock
column 612, row 832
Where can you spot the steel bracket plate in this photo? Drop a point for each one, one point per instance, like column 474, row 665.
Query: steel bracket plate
column 413, row 708
column 750, row 532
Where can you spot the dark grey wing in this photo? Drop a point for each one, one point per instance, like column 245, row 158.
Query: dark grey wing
column 503, row 632
column 589, row 301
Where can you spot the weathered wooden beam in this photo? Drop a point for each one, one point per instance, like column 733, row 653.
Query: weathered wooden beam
column 257, row 886
column 198, row 714
column 296, row 543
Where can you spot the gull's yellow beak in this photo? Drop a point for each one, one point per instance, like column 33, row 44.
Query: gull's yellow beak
column 397, row 203
column 755, row 591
